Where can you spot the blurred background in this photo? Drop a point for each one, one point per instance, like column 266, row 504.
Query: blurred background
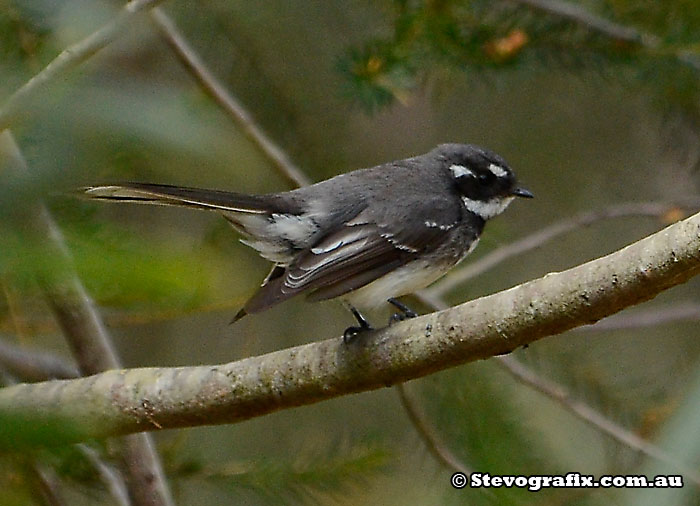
column 593, row 110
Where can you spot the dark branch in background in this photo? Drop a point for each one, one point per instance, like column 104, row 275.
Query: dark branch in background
column 88, row 338
column 549, row 388
column 578, row 408
column 593, row 417
column 688, row 311
column 430, row 438
column 536, row 239
column 33, row 365
column 192, row 62
column 49, row 489
column 17, row 105
column 109, row 476
column 72, row 306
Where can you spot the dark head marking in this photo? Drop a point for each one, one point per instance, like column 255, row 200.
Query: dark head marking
column 484, row 180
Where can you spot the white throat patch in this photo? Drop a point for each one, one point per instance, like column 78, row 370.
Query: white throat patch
column 489, row 208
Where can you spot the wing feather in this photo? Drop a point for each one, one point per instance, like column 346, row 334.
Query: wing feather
column 364, row 249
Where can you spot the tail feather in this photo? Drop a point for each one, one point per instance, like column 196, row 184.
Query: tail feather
column 272, row 224
column 160, row 194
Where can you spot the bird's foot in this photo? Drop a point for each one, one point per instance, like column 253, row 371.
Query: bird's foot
column 405, row 311
column 352, row 332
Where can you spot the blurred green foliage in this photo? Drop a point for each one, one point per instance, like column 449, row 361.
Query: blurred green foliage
column 484, row 37
column 482, row 419
column 581, row 114
column 310, row 477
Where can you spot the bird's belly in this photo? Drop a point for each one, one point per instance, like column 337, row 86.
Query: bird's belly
column 404, row 280
column 407, row 279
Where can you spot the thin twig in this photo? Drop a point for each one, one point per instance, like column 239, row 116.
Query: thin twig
column 33, row 365
column 536, row 239
column 591, row 416
column 90, row 342
column 16, row 106
column 49, row 488
column 578, row 408
column 109, row 476
column 430, row 438
column 581, row 16
column 688, row 311
column 192, row 62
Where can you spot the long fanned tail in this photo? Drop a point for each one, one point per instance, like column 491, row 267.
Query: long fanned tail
column 167, row 195
column 276, row 227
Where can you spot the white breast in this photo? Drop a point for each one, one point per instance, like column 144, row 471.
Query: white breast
column 402, row 281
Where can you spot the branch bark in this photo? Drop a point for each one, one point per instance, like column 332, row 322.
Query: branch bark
column 126, row 401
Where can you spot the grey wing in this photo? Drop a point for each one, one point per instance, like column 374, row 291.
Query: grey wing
column 359, row 252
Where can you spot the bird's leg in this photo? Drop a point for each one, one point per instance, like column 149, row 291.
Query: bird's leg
column 406, row 312
column 352, row 332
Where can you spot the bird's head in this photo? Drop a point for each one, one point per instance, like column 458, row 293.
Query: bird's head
column 482, row 178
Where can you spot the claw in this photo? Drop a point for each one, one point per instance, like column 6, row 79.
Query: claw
column 352, row 332
column 405, row 314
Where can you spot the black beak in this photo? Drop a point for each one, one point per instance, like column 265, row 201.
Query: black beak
column 522, row 192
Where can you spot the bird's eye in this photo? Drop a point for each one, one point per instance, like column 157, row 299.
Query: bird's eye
column 486, row 178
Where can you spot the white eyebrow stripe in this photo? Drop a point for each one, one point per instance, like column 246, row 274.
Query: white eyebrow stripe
column 460, row 170
column 497, row 170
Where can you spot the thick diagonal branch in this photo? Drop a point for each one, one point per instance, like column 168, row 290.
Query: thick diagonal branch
column 120, row 402
column 88, row 338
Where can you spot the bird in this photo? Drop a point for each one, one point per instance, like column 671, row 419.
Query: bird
column 367, row 236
